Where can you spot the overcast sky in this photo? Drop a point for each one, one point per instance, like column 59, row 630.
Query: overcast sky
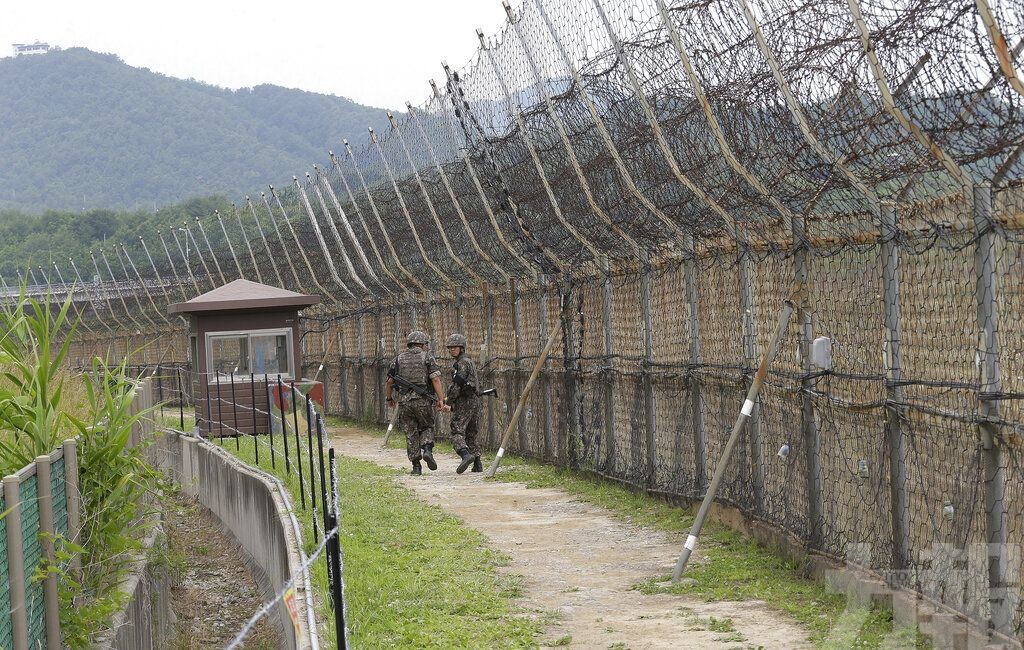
column 377, row 52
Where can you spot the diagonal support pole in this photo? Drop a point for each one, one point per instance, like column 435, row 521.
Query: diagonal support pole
column 748, row 407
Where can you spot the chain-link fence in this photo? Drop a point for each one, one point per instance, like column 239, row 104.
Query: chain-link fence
column 653, row 181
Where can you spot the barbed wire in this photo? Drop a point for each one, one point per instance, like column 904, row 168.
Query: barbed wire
column 654, row 177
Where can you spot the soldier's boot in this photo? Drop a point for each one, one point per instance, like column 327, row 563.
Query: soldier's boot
column 428, row 455
column 467, row 460
column 417, row 469
column 477, row 465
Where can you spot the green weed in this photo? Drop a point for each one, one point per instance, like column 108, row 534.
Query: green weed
column 414, row 576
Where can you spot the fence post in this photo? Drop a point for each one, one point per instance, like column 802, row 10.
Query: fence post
column 74, row 500
column 646, row 380
column 47, row 532
column 516, row 383
column 571, row 363
column 343, row 370
column 991, row 385
column 808, row 425
column 160, row 391
column 414, row 320
column 361, row 375
column 16, row 563
column 460, row 316
column 380, row 363
column 609, row 366
column 181, row 398
column 543, row 327
column 894, row 408
column 487, row 304
column 700, row 469
column 750, row 362
column 436, row 337
column 150, row 406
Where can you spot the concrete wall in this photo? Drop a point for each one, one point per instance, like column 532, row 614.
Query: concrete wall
column 148, row 620
column 252, row 507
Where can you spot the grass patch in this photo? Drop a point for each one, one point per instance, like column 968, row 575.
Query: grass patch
column 734, row 568
column 414, row 576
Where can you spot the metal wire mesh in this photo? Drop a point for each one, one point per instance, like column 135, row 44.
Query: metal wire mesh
column 657, row 179
column 6, row 627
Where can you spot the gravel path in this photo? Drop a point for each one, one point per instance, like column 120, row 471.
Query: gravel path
column 580, row 563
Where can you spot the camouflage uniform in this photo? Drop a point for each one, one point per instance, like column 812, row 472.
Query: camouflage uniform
column 416, row 414
column 466, row 406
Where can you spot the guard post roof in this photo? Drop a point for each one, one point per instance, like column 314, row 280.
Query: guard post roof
column 244, row 295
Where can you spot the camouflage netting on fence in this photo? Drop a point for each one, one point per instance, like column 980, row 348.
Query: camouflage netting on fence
column 653, row 182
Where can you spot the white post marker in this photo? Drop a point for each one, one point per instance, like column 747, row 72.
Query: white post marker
column 391, row 425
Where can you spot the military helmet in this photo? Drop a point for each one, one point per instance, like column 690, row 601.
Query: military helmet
column 417, row 337
column 456, row 340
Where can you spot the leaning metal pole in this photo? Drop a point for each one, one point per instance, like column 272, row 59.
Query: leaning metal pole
column 430, row 202
column 202, row 258
column 514, row 419
column 454, row 118
column 376, row 213
column 728, row 221
column 531, row 148
column 280, row 239
column 184, row 258
column 563, row 135
column 213, row 255
column 602, row 128
column 313, row 275
column 483, row 254
column 248, row 244
column 322, row 177
column 320, row 239
column 81, row 283
column 441, row 275
column 78, row 310
column 748, row 407
column 266, row 245
column 315, row 186
column 231, row 247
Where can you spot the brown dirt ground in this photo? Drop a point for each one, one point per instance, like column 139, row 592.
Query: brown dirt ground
column 216, row 594
column 579, row 563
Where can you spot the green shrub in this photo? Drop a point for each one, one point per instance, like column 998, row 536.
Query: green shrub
column 43, row 404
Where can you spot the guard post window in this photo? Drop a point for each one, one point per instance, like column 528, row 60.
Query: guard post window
column 250, row 351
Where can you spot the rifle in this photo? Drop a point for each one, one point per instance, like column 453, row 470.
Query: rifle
column 461, row 381
column 405, row 384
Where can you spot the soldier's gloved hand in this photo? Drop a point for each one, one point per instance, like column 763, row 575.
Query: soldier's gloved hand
column 390, row 402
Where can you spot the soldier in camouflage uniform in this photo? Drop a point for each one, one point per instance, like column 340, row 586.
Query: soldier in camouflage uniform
column 465, row 405
column 417, row 366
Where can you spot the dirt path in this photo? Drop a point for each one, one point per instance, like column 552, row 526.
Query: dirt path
column 216, row 595
column 580, row 563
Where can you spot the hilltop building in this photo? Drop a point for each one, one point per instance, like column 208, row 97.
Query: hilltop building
column 29, row 49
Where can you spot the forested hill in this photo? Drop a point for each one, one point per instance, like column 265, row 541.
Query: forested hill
column 85, row 130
